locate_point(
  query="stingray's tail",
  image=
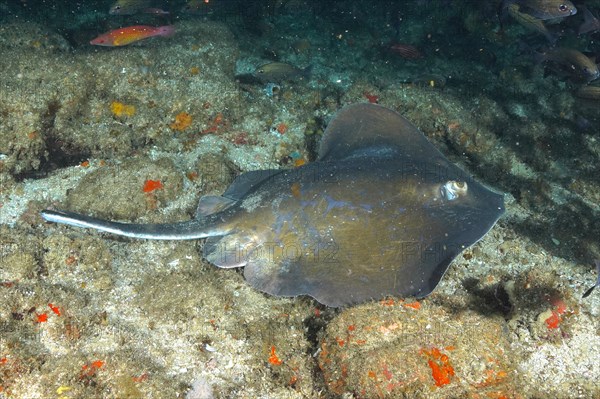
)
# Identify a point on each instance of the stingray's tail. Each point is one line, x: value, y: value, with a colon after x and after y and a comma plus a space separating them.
x: 189, y: 230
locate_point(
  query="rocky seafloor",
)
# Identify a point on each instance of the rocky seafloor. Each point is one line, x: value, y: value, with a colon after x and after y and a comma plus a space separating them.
x: 87, y: 315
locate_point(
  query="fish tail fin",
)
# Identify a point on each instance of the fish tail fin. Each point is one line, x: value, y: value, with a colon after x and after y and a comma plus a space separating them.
x: 192, y: 229
x: 167, y: 30
x: 590, y: 22
x: 551, y: 37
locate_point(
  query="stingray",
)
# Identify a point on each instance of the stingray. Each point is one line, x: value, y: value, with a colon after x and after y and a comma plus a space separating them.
x: 381, y: 212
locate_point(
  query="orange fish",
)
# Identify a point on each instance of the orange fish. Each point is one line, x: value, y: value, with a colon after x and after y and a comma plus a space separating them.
x: 130, y: 34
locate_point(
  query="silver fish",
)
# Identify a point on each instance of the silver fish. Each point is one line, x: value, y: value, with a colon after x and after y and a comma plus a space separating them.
x: 276, y: 72
x: 381, y: 212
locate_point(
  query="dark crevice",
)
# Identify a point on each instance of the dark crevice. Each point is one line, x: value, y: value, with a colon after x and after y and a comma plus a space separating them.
x: 60, y: 153
x: 316, y: 324
x: 314, y: 327
x: 488, y: 300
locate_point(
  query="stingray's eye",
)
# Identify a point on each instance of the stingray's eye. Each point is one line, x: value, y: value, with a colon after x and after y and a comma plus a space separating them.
x: 453, y: 189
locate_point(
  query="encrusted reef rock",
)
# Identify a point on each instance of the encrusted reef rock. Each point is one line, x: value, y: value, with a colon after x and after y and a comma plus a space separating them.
x: 416, y: 349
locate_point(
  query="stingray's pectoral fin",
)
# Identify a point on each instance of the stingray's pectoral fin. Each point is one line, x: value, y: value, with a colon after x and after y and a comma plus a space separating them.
x: 210, y: 204
x: 284, y: 278
x: 192, y: 229
x: 264, y: 274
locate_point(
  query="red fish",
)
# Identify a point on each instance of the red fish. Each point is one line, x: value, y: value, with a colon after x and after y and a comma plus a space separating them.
x: 130, y: 34
x: 405, y: 51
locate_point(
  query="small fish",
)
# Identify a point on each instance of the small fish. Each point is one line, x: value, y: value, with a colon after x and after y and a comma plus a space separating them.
x: 589, y: 291
x: 405, y: 51
x: 131, y: 34
x: 198, y: 7
x: 589, y: 92
x: 529, y: 22
x: 155, y: 11
x: 276, y: 72
x: 543, y: 9
x: 428, y: 80
x: 380, y: 212
x: 211, y: 7
x: 590, y: 22
x: 301, y: 46
x: 129, y: 7
x: 571, y: 63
